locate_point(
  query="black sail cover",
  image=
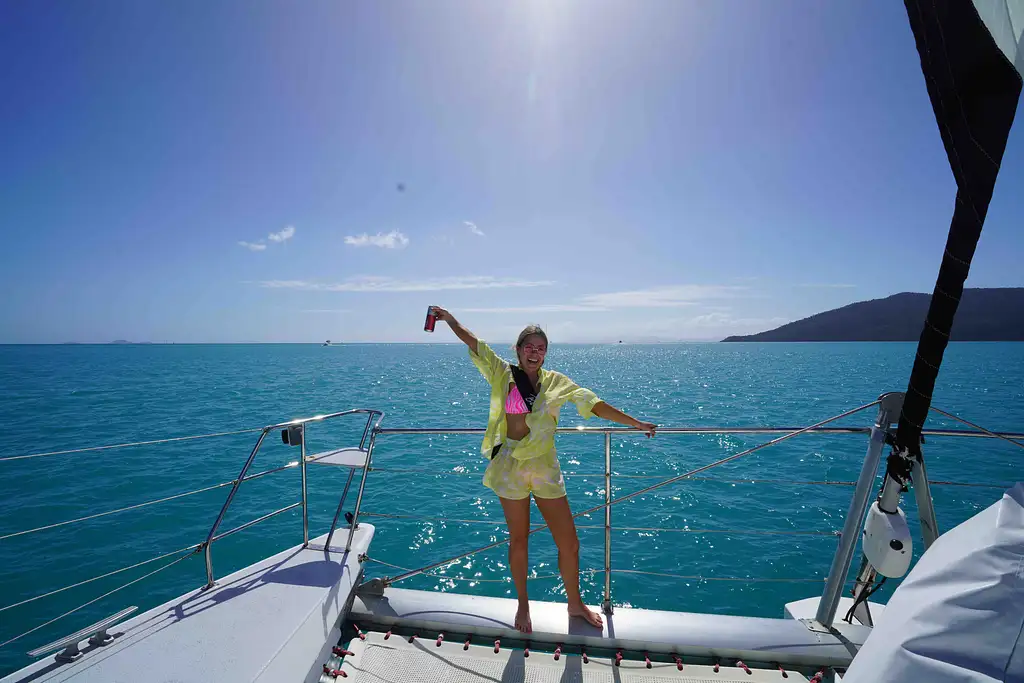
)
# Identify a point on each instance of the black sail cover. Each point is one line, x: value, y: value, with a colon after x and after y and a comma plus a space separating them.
x: 958, y: 616
x: 972, y: 59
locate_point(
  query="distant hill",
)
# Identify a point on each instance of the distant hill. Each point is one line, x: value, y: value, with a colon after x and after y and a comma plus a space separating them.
x: 983, y: 315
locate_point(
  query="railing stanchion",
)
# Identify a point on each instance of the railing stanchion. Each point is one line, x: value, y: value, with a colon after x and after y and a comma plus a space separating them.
x: 606, y: 605
x: 227, y: 503
x: 888, y: 412
x: 359, y: 496
x: 305, y: 506
x: 925, y: 504
x: 341, y: 504
x: 366, y: 429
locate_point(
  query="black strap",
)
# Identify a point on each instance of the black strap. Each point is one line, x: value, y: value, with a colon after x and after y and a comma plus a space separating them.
x: 524, y: 385
x: 526, y: 390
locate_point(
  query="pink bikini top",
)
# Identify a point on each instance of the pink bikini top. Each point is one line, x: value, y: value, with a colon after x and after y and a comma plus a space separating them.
x: 514, y: 404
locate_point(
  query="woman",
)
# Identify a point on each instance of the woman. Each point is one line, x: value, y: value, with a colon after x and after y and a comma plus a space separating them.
x: 520, y: 442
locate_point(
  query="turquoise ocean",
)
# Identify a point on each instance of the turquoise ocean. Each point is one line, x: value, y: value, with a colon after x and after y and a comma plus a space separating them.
x: 64, y: 397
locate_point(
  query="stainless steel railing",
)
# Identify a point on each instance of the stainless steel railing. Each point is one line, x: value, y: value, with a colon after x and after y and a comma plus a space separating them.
x: 213, y: 536
x: 1016, y: 438
x: 295, y: 426
x: 370, y: 433
x: 607, y: 604
x: 888, y: 412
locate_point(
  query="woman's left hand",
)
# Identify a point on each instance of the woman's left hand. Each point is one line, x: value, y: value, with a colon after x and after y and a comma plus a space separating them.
x: 648, y: 427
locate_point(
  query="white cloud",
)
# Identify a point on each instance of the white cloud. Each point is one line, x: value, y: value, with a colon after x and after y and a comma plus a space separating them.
x: 373, y: 283
x: 326, y: 310
x: 473, y: 228
x: 283, y: 236
x: 392, y: 240
x: 663, y: 326
x: 540, y: 308
x: 828, y: 286
x: 662, y: 297
x: 719, y: 319
x: 279, y: 237
x: 711, y: 319
x: 657, y: 297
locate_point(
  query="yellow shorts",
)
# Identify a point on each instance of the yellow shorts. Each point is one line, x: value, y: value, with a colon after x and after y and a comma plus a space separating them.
x: 517, y: 479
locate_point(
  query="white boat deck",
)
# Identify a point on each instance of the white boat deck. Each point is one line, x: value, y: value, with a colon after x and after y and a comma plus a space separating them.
x: 272, y: 621
x: 376, y: 660
x: 787, y: 641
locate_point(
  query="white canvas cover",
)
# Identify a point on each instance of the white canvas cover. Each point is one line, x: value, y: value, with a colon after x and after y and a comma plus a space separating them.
x: 959, y: 614
x: 1004, y: 19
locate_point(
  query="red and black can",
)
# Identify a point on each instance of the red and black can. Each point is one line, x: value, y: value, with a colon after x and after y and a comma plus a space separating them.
x: 428, y: 326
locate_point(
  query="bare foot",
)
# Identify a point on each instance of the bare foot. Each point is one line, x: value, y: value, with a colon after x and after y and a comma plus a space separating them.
x: 523, y: 622
x: 592, y: 617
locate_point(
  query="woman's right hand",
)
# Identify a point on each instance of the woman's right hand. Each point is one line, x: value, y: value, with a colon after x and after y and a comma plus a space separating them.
x: 461, y: 332
x: 442, y: 314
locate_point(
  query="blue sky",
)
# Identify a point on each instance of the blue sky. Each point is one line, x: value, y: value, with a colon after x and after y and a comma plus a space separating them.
x: 665, y: 169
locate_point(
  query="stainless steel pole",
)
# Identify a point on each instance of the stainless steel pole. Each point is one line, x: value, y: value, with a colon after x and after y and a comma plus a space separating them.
x: 305, y: 504
x: 925, y: 506
x: 359, y: 496
x: 888, y: 412
x: 341, y: 504
x: 227, y: 503
x: 607, y: 604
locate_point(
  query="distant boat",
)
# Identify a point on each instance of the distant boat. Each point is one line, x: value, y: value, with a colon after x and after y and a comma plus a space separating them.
x: 326, y: 343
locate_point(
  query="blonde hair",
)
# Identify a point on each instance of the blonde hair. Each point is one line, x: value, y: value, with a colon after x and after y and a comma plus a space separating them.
x: 529, y: 331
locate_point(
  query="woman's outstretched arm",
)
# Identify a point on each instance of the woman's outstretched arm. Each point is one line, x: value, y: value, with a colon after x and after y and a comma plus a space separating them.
x: 607, y: 412
x: 461, y: 332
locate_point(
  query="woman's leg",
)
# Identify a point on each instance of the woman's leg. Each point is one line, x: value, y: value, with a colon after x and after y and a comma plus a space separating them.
x: 559, y: 518
x: 517, y: 516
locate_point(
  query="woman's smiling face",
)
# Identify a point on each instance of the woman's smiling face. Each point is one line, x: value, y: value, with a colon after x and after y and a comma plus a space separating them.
x: 531, y: 352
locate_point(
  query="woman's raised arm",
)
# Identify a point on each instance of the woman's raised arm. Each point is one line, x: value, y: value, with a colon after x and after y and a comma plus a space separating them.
x: 461, y: 332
